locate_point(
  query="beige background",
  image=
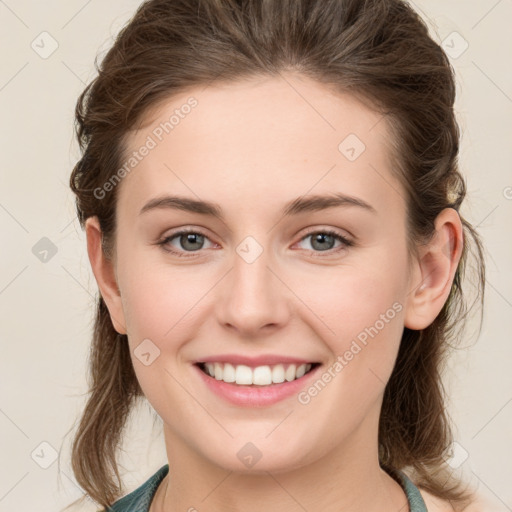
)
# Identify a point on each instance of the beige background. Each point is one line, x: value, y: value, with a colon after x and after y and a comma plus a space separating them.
x: 46, y: 307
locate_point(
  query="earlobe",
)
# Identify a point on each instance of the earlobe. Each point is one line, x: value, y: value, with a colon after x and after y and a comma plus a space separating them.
x: 104, y: 273
x: 434, y: 271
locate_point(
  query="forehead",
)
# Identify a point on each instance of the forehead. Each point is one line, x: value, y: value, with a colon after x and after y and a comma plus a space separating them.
x: 277, y: 138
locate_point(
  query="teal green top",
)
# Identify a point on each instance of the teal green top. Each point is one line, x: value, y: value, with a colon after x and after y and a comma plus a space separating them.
x: 140, y: 499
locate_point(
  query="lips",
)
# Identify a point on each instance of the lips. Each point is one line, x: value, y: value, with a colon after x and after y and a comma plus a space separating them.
x: 253, y: 362
x: 255, y: 395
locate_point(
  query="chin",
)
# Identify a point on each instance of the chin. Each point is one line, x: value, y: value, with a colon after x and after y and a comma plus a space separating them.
x: 254, y: 458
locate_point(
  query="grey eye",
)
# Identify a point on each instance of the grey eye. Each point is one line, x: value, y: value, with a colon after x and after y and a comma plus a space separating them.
x: 322, y: 241
x: 191, y: 241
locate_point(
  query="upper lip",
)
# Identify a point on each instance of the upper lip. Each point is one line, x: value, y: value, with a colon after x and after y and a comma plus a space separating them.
x: 262, y: 360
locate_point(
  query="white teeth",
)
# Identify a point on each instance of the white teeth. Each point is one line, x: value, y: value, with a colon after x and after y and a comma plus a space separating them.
x: 290, y: 373
x: 243, y: 374
x: 217, y: 371
x: 209, y: 368
x: 260, y: 376
x: 301, y: 370
x: 278, y: 374
x: 229, y: 374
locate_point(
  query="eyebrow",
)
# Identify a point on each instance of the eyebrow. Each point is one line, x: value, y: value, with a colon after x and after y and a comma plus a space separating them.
x: 300, y: 205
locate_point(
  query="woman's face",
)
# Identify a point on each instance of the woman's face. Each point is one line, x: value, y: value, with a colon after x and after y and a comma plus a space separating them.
x: 273, y: 274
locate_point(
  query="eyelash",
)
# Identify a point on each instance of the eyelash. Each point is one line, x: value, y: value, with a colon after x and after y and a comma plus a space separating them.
x: 182, y: 254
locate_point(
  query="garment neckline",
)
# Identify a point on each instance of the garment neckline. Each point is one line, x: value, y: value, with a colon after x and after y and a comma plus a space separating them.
x: 414, y: 497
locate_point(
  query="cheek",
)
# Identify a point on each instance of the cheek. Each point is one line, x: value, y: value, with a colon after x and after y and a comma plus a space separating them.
x: 368, y: 326
x: 347, y: 300
x: 164, y: 309
x: 161, y: 316
x: 158, y: 298
x: 359, y: 316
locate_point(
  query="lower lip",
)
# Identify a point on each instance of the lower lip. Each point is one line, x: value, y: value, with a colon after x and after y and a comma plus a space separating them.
x: 255, y: 396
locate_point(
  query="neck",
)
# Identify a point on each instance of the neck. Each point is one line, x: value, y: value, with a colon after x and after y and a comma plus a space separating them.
x: 348, y: 478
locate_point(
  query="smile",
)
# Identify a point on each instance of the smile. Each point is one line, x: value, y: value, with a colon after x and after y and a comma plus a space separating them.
x: 265, y: 375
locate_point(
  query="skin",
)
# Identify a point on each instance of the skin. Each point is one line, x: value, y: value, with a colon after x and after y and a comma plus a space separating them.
x: 251, y: 147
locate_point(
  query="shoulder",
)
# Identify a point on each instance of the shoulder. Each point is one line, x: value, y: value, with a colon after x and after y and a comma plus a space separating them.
x: 478, y: 504
x: 139, y: 500
x: 435, y: 504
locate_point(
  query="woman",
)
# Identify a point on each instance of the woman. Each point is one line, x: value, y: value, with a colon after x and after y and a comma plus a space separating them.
x: 271, y: 200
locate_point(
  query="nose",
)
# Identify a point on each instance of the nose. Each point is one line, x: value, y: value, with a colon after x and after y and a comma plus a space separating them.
x: 253, y: 299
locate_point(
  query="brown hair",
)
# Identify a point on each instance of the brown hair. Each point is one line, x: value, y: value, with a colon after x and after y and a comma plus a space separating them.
x: 378, y: 50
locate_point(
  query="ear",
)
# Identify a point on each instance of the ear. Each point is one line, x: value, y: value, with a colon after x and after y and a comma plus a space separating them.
x: 104, y: 272
x: 434, y: 270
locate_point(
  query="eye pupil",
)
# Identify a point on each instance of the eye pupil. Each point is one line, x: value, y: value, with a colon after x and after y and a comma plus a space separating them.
x: 321, y: 238
x: 191, y: 238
